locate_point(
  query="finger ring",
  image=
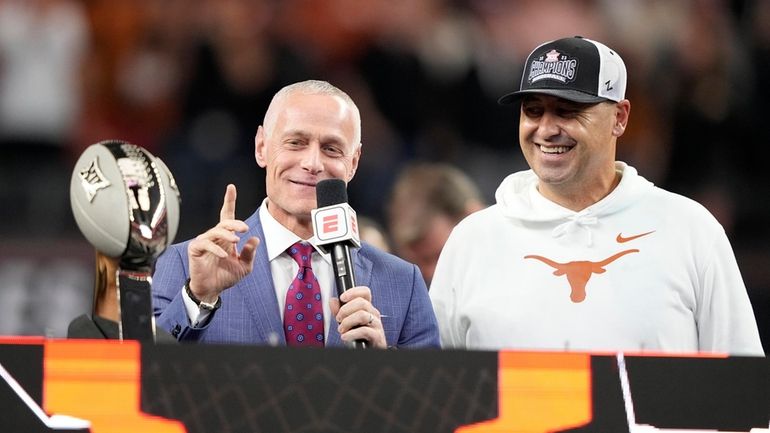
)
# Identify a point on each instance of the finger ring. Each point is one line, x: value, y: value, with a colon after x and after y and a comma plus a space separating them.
x: 371, y: 319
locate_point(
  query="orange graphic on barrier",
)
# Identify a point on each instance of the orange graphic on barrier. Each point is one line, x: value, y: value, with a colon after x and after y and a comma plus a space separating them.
x: 99, y: 381
x: 540, y: 392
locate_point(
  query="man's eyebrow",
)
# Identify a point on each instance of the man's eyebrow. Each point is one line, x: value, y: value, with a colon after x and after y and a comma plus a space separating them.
x: 332, y: 139
x: 295, y: 133
x: 325, y: 139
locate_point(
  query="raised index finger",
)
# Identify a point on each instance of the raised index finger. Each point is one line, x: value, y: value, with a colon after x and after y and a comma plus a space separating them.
x: 228, y: 207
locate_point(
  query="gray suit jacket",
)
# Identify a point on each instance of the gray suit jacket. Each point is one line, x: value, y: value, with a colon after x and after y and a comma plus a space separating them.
x: 249, y: 313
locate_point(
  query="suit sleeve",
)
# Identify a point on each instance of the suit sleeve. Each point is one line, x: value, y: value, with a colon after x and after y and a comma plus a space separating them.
x: 171, y: 273
x: 420, y: 329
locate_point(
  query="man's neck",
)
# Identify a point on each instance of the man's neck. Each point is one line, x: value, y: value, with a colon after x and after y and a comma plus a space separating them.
x: 302, y: 227
x: 577, y: 197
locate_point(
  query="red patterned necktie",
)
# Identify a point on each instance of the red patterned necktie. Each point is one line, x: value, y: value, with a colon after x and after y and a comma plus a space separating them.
x: 303, y: 319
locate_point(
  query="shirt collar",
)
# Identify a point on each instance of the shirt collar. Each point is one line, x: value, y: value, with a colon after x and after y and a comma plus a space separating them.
x: 278, y: 238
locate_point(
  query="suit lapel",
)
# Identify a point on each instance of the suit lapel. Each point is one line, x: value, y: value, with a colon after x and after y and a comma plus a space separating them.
x: 260, y: 291
x: 363, y: 277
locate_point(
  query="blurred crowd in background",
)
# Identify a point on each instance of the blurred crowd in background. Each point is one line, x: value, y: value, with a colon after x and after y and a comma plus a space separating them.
x: 190, y: 81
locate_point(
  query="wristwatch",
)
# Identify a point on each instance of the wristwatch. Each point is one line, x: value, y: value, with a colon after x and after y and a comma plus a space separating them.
x: 204, y: 305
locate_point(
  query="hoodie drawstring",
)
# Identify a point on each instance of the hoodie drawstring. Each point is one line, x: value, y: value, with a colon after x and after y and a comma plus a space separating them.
x: 576, y: 221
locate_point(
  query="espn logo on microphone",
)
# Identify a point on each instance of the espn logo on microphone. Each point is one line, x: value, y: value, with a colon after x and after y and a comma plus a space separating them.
x: 335, y: 223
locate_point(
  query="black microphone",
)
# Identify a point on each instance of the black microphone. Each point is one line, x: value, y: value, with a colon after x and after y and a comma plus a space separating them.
x: 336, y: 228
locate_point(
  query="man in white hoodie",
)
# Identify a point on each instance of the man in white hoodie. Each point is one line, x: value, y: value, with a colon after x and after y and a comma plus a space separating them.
x: 581, y: 252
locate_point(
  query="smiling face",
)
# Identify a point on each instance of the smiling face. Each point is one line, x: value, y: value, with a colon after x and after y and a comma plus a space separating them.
x: 306, y: 138
x: 571, y: 147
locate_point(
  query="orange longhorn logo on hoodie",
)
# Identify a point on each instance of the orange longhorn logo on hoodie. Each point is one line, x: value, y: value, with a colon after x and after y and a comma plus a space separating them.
x: 579, y: 272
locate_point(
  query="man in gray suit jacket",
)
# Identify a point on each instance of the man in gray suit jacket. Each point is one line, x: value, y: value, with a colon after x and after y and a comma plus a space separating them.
x: 238, y: 282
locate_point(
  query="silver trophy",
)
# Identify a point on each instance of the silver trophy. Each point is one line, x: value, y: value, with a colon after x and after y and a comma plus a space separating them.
x: 126, y: 203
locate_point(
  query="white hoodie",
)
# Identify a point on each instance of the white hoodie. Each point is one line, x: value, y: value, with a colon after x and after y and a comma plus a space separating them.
x: 642, y: 270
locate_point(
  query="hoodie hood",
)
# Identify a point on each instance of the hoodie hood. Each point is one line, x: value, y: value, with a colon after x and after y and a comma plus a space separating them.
x: 518, y: 198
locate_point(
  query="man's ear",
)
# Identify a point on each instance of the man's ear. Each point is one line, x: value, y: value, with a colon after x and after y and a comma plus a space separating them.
x: 622, y: 113
x: 259, y: 147
x: 354, y: 162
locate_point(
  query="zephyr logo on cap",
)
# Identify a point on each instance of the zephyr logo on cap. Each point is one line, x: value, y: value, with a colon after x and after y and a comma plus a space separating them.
x: 577, y: 69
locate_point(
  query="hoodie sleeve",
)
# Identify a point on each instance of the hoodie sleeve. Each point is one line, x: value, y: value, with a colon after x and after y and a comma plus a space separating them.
x: 726, y: 322
x: 444, y: 293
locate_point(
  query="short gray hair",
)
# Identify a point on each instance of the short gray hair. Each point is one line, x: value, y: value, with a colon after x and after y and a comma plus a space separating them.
x: 313, y: 87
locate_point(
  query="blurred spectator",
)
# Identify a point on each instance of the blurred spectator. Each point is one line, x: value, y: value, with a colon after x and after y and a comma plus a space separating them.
x: 234, y: 68
x: 382, y: 146
x: 373, y: 233
x: 42, y: 288
x: 42, y: 45
x: 427, y: 201
x: 422, y: 56
x: 708, y: 112
x: 133, y: 73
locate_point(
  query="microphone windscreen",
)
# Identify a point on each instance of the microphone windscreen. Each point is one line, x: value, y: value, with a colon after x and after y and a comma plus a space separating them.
x: 331, y: 191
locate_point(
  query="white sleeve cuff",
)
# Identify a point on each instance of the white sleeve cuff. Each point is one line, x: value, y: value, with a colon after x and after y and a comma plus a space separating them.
x: 196, y: 314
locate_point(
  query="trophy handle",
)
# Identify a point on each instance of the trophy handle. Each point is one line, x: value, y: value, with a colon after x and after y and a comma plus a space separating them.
x: 135, y: 302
